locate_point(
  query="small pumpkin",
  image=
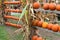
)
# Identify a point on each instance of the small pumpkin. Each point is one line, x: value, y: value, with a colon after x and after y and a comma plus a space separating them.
x: 55, y: 27
x: 50, y: 26
x: 58, y: 7
x: 39, y: 38
x: 36, y: 5
x: 52, y: 6
x: 46, y: 6
x: 45, y: 24
x: 10, y: 17
x: 35, y: 22
x: 34, y: 37
x: 40, y: 23
x: 15, y: 2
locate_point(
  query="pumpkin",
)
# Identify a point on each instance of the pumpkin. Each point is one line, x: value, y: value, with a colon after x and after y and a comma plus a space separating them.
x: 52, y: 6
x: 45, y: 24
x: 7, y: 23
x: 34, y: 37
x: 55, y: 28
x: 13, y: 10
x: 14, y: 25
x: 35, y: 22
x: 40, y: 23
x: 50, y: 26
x: 11, y: 2
x: 11, y: 17
x: 58, y: 7
x: 36, y: 5
x: 46, y: 6
x: 59, y: 28
x: 39, y: 38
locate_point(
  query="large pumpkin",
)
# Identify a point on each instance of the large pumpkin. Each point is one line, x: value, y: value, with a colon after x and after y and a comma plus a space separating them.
x: 46, y: 6
x: 39, y: 38
x: 52, y: 6
x: 55, y: 28
x: 58, y: 7
x: 36, y: 5
x: 45, y: 24
x: 40, y: 23
x: 34, y: 37
x: 50, y: 26
x: 34, y: 23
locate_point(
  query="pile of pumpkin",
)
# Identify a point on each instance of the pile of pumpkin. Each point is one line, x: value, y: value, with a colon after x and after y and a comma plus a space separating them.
x: 46, y: 6
x: 46, y: 25
x: 35, y: 37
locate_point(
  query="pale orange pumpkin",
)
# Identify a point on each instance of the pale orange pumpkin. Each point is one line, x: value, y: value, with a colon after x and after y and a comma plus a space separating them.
x: 58, y: 7
x: 36, y: 5
x: 50, y: 26
x: 45, y: 24
x: 46, y: 6
x: 55, y: 28
x: 52, y: 6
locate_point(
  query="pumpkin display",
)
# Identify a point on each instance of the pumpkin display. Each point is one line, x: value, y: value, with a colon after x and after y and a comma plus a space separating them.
x: 46, y: 6
x: 55, y: 27
x: 39, y: 38
x: 58, y: 7
x: 52, y: 6
x: 14, y: 25
x: 35, y: 22
x: 12, y: 2
x: 34, y: 37
x: 11, y: 17
x: 40, y: 23
x: 13, y: 10
x: 45, y: 24
x: 36, y: 5
x: 50, y: 26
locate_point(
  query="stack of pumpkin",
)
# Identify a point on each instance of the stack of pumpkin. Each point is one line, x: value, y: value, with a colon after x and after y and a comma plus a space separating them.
x: 46, y: 6
x: 35, y: 37
x: 53, y: 27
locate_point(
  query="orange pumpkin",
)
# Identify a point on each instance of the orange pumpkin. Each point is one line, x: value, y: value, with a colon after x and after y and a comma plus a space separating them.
x: 39, y: 38
x: 52, y: 6
x: 40, y: 23
x: 11, y: 17
x: 36, y: 5
x: 59, y: 28
x: 46, y: 6
x: 58, y: 7
x: 34, y: 37
x: 13, y: 10
x: 16, y: 2
x: 50, y: 26
x: 14, y: 25
x: 55, y: 27
x: 35, y: 22
x: 45, y: 24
